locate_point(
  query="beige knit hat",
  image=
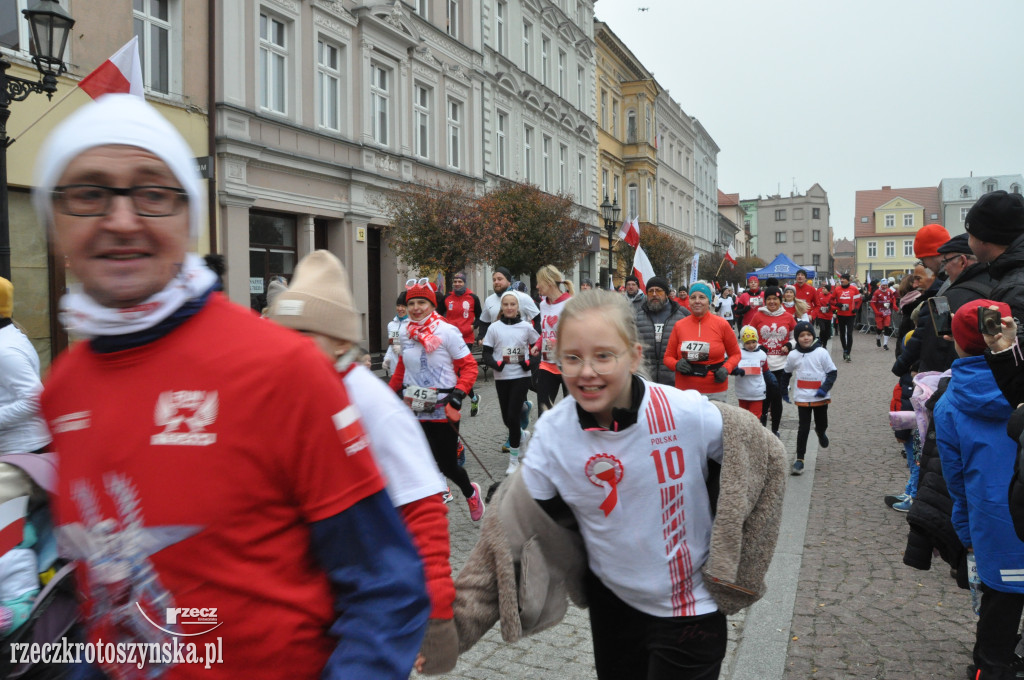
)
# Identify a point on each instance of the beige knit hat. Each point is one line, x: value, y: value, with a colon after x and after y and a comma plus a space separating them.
x: 319, y: 300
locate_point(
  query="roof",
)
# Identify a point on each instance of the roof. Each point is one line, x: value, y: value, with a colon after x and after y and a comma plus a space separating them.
x: 871, y: 199
x: 727, y: 199
x: 950, y: 186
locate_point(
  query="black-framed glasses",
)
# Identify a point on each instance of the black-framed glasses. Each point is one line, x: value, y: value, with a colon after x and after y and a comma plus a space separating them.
x: 946, y: 260
x: 603, y: 363
x: 93, y: 200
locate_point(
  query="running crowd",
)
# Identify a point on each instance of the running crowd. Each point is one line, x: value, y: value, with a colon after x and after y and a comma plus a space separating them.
x: 258, y: 467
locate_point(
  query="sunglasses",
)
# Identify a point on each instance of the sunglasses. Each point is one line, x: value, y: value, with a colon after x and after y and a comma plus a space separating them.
x: 411, y: 283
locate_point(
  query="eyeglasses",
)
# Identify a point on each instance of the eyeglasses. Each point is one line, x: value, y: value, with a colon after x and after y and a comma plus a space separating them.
x: 93, y: 200
x: 945, y: 260
x: 602, y: 363
x: 417, y: 282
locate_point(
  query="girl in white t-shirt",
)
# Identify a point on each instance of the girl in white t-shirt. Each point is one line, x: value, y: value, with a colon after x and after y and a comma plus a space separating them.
x: 555, y: 291
x: 628, y: 460
x: 506, y: 349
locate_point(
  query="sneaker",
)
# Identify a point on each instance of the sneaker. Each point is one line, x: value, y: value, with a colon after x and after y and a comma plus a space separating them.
x: 776, y: 433
x: 476, y: 503
x: 886, y: 347
x: 513, y: 463
x: 447, y: 496
x: 823, y: 440
x: 898, y: 498
x: 474, y: 405
x: 878, y: 342
x: 524, y: 436
x: 846, y: 357
x: 506, y: 447
x: 460, y: 454
x: 524, y: 415
x: 903, y: 506
x: 798, y: 467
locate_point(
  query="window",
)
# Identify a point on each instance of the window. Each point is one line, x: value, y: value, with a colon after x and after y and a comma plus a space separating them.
x: 421, y: 8
x: 454, y: 133
x: 563, y: 167
x: 153, y: 26
x: 872, y: 249
x: 581, y: 171
x: 965, y: 191
x: 908, y: 219
x: 1014, y: 188
x: 527, y: 35
x: 604, y: 110
x: 545, y: 161
x: 615, y: 117
x: 632, y: 198
x: 890, y: 220
x: 864, y: 220
x: 780, y: 237
x: 501, y: 143
x: 273, y: 59
x: 380, y: 100
x: 990, y: 186
x: 815, y: 213
x: 631, y: 127
x: 798, y: 236
x: 650, y: 201
x: 908, y: 248
x: 798, y: 213
x: 328, y: 85
x: 890, y: 248
x: 499, y: 26
x: 580, y: 79
x: 780, y: 216
x: 545, y: 58
x: 648, y: 128
x: 453, y: 18
x: 815, y: 261
x: 815, y: 234
x: 562, y: 65
x: 272, y: 251
x: 528, y: 153
x: 421, y: 121
x: 615, y: 189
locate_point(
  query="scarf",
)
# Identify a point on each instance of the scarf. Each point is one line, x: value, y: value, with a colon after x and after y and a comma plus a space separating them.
x: 347, y: 361
x: 423, y: 331
x: 83, y: 316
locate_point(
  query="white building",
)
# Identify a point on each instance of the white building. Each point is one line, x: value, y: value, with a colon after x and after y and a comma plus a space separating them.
x: 676, y: 143
x: 958, y: 194
x: 705, y: 195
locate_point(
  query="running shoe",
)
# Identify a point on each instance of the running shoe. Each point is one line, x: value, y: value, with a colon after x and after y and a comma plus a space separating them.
x: 903, y: 506
x: 447, y: 496
x: 474, y: 405
x: 524, y: 415
x: 798, y: 467
x: 476, y: 503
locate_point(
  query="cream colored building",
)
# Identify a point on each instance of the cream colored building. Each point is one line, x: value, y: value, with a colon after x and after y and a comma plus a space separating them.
x: 887, y: 220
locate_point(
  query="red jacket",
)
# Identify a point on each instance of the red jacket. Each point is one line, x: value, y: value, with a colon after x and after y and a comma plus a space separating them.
x: 879, y: 300
x: 709, y: 337
x: 462, y: 311
x: 823, y: 305
x: 809, y: 294
x: 846, y: 301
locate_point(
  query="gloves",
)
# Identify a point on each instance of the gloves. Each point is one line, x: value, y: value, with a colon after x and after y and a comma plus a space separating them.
x: 440, y: 649
x: 821, y: 393
x: 737, y: 371
x: 684, y: 367
x: 721, y: 374
x: 455, y: 399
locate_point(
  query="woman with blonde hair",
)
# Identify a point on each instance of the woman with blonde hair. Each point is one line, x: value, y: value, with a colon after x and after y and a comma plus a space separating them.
x: 555, y: 291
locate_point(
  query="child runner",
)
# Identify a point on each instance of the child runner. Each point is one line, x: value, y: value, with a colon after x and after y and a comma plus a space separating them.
x: 815, y: 375
x: 752, y: 373
x: 882, y: 303
x: 789, y: 299
x: 433, y: 376
x: 823, y: 314
x: 394, y: 326
x: 507, y: 350
x: 549, y: 284
x: 775, y: 330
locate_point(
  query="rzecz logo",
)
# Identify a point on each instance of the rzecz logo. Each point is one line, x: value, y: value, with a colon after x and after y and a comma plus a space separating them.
x: 196, y: 620
x: 184, y: 415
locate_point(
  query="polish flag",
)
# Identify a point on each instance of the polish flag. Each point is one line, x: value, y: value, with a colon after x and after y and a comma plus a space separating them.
x: 12, y: 522
x: 642, y: 268
x: 121, y: 74
x: 730, y: 255
x: 630, y: 232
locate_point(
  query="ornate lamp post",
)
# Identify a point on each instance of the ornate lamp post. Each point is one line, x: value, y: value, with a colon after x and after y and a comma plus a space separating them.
x: 50, y: 25
x: 610, y: 213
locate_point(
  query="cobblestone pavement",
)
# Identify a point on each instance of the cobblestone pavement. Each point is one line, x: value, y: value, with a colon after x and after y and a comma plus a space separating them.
x: 858, y: 612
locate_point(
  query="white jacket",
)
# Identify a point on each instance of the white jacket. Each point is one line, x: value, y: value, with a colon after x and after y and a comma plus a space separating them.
x: 22, y: 428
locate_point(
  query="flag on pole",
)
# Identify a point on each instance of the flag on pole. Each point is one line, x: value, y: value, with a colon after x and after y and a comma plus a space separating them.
x: 630, y: 232
x: 12, y: 522
x: 693, y: 268
x: 642, y: 268
x: 121, y: 74
x: 730, y: 256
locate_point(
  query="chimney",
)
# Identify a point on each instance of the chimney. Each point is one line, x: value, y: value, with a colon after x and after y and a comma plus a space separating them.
x: 886, y: 188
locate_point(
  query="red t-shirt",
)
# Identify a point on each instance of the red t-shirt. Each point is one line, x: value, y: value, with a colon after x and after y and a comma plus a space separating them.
x: 190, y: 471
x: 823, y: 305
x: 752, y: 299
x: 809, y: 294
x: 846, y: 301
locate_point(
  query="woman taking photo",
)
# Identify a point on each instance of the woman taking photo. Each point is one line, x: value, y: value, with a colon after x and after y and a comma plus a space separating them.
x: 702, y: 349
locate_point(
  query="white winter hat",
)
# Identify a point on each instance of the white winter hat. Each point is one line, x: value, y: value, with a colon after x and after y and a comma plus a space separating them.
x: 319, y: 300
x: 115, y: 119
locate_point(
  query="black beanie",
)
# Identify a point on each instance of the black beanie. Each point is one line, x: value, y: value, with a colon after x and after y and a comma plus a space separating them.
x: 633, y: 279
x: 997, y: 217
x: 803, y: 327
x: 770, y: 291
x: 401, y: 299
x: 504, y: 272
x: 659, y: 282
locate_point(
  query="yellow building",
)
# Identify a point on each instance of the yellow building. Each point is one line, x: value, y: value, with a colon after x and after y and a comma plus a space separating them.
x: 887, y: 220
x: 175, y: 72
x: 626, y: 127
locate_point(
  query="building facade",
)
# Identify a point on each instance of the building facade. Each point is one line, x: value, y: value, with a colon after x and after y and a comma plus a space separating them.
x: 675, y: 189
x: 797, y: 225
x: 729, y: 207
x: 958, y: 194
x: 750, y: 224
x: 705, y: 194
x: 887, y: 220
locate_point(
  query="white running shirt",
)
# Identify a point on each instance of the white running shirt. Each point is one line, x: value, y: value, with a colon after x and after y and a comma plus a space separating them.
x: 516, y: 339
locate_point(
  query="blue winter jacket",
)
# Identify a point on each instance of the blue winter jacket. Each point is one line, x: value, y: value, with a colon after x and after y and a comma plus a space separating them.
x: 977, y: 462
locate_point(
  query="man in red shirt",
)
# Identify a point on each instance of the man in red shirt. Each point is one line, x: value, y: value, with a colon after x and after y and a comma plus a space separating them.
x: 882, y: 304
x: 805, y: 291
x: 751, y: 300
x: 823, y: 314
x: 462, y: 309
x: 846, y: 301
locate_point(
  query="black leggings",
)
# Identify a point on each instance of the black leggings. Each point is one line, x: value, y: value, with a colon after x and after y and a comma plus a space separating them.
x: 997, y: 628
x: 547, y: 389
x: 632, y: 645
x: 511, y: 397
x: 772, y: 403
x: 824, y: 331
x: 804, y: 429
x: 844, y: 324
x: 444, y: 442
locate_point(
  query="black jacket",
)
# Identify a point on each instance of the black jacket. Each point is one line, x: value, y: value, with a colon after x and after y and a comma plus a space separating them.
x: 1007, y: 271
x: 654, y: 349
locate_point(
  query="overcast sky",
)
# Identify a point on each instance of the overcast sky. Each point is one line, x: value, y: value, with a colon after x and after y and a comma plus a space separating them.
x: 852, y: 95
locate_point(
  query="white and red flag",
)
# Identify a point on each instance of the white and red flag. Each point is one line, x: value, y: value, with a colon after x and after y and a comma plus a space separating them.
x: 630, y: 232
x: 730, y: 255
x: 642, y: 268
x: 12, y: 522
x: 121, y: 74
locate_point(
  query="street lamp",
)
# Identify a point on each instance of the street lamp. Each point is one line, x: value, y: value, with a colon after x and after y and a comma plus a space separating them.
x: 610, y: 213
x: 50, y: 25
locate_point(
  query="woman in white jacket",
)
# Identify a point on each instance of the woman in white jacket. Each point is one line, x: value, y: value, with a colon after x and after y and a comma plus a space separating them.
x: 22, y: 429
